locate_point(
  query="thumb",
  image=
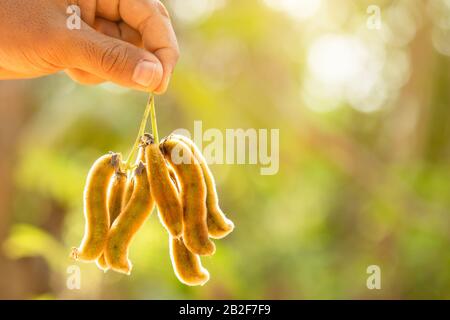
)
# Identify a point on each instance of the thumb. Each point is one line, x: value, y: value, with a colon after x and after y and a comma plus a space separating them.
x: 113, y: 60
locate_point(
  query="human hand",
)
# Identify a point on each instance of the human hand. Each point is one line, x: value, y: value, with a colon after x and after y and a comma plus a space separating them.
x: 129, y: 42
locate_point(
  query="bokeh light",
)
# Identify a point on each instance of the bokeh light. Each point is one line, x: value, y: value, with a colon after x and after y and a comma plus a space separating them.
x: 300, y: 9
x: 190, y: 11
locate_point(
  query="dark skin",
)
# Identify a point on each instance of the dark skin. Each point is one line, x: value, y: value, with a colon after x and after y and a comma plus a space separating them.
x: 129, y: 42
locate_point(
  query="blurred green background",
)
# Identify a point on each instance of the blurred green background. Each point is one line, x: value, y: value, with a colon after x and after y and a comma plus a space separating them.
x: 364, y: 171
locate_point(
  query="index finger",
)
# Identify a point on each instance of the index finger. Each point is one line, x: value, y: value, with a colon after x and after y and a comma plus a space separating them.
x: 152, y: 20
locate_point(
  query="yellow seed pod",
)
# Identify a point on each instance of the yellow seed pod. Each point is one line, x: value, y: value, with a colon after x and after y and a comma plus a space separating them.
x: 128, y: 223
x: 187, y: 266
x: 170, y: 210
x: 193, y: 195
x: 116, y: 195
x: 130, y: 181
x: 173, y: 177
x: 129, y: 188
x: 120, y: 193
x: 115, y: 203
x: 129, y: 185
x: 101, y: 263
x: 96, y: 208
x: 219, y: 225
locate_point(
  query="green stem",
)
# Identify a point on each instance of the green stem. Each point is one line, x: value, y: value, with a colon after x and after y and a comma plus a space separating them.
x: 154, y: 122
x: 141, y: 131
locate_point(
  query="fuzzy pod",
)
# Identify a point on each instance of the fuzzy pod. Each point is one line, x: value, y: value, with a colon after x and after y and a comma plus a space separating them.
x: 164, y: 191
x: 102, y: 264
x: 187, y: 265
x: 129, y: 188
x: 193, y: 195
x: 116, y: 195
x: 173, y: 177
x: 219, y: 225
x: 128, y: 223
x: 96, y: 208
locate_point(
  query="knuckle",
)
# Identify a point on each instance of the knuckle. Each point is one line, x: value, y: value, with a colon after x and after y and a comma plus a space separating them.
x: 154, y: 9
x: 88, y: 48
x: 114, y: 59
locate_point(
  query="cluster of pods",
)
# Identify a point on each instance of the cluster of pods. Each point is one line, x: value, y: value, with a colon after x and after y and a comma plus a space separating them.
x: 173, y: 176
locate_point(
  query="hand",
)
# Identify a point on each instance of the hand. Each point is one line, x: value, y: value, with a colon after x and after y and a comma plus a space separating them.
x: 129, y: 42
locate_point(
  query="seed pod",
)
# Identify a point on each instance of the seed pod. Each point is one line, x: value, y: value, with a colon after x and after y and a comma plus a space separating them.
x: 95, y: 208
x: 101, y: 263
x: 173, y: 177
x: 128, y: 192
x: 187, y: 266
x: 219, y: 225
x: 193, y: 195
x: 116, y: 195
x: 120, y: 194
x: 163, y: 190
x: 115, y: 203
x: 128, y: 223
x: 130, y: 181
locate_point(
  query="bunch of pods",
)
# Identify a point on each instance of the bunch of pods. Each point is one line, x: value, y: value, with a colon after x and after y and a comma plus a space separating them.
x: 173, y: 176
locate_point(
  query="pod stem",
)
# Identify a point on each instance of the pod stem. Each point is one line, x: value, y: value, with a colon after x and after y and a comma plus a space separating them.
x: 153, y: 118
x: 148, y: 110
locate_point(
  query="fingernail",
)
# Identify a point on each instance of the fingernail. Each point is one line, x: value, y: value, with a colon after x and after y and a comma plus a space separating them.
x: 144, y: 73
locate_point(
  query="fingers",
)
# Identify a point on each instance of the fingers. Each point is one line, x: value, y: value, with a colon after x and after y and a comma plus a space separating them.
x: 118, y: 30
x: 107, y: 27
x: 87, y: 10
x: 83, y: 77
x: 152, y: 20
x: 7, y: 74
x: 141, y: 23
x: 113, y: 60
x: 108, y: 9
x: 130, y: 35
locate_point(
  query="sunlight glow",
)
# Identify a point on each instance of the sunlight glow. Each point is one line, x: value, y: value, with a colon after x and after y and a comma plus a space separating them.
x: 194, y: 10
x: 343, y: 69
x: 335, y: 59
x: 301, y: 9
